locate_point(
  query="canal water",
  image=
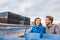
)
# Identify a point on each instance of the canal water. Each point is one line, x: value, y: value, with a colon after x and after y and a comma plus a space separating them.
x: 13, y: 30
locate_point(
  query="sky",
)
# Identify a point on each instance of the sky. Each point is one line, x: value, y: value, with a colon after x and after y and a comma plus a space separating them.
x: 32, y: 8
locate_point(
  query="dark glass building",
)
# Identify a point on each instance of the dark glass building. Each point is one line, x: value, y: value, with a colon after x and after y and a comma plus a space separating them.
x: 12, y: 18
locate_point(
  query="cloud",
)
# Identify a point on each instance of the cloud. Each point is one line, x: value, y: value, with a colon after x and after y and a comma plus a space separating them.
x: 32, y: 8
x: 3, y: 1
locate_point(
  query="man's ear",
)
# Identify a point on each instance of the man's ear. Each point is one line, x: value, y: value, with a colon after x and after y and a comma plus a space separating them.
x: 50, y: 21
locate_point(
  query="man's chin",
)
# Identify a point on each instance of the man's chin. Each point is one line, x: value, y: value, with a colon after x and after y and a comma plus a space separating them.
x: 47, y: 24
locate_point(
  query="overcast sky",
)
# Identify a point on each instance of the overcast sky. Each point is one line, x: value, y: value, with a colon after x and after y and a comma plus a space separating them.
x: 32, y: 8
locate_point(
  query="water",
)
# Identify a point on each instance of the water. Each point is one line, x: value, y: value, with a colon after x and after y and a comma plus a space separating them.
x: 12, y: 30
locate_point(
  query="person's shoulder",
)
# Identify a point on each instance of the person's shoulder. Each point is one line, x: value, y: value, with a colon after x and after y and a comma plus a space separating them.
x: 42, y: 26
x: 33, y: 26
x: 55, y: 25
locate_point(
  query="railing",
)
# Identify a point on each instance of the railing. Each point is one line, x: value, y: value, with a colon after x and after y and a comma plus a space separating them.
x: 13, y: 28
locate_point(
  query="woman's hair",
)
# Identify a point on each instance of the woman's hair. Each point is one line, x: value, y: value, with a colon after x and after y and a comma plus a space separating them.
x: 36, y: 19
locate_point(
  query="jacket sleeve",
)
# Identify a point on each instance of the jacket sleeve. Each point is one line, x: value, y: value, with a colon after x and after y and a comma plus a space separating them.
x: 42, y: 32
x: 57, y: 29
x: 31, y: 31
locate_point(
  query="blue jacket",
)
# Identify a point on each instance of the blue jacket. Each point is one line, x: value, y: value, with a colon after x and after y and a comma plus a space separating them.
x: 39, y: 29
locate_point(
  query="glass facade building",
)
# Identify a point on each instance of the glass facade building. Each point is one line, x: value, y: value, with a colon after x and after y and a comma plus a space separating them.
x: 12, y: 18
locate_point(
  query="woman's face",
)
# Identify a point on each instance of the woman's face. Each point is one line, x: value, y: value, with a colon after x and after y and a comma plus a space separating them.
x: 38, y: 21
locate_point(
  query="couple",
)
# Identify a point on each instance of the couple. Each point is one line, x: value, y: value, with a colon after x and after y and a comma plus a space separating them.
x: 49, y: 29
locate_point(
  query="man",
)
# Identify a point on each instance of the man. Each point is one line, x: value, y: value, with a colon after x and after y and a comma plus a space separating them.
x: 50, y: 27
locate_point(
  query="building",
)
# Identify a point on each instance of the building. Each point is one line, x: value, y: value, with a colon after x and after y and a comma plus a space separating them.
x: 12, y: 18
x: 11, y: 23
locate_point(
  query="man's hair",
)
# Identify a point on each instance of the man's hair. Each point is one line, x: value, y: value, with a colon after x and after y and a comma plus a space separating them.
x: 50, y: 18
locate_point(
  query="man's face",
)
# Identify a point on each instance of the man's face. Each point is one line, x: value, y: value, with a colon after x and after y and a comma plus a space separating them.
x: 47, y: 21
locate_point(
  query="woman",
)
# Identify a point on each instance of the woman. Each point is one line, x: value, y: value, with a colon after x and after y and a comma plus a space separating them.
x: 38, y: 27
